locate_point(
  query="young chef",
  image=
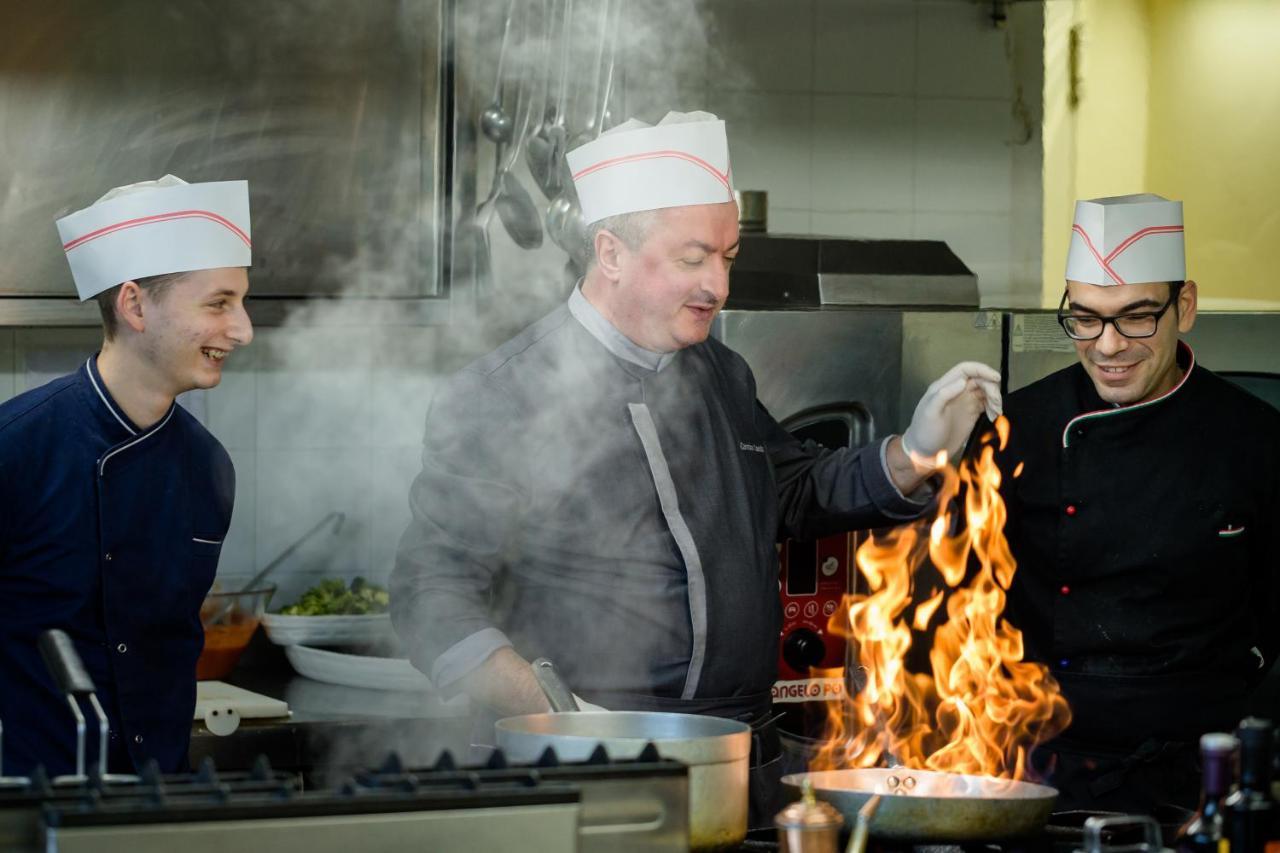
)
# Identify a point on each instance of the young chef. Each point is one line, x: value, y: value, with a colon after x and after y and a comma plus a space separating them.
x: 113, y: 499
x: 1145, y: 574
x: 609, y: 476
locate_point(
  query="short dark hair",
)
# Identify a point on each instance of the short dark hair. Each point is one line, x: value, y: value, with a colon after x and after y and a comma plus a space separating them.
x: 1175, y: 288
x: 156, y: 285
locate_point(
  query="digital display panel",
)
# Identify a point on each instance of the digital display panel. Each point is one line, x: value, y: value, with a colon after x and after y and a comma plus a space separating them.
x: 802, y: 568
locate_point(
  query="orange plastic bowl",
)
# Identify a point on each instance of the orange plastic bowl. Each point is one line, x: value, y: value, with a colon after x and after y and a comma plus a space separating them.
x: 230, y: 614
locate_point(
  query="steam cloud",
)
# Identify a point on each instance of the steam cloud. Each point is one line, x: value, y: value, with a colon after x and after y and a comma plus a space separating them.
x: 664, y: 47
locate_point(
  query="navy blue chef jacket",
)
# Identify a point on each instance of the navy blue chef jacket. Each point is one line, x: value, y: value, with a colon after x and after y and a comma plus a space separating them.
x: 111, y: 533
x: 1147, y: 571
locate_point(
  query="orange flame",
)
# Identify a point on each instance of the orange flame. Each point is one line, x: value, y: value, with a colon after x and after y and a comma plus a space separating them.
x: 982, y: 709
x: 926, y: 610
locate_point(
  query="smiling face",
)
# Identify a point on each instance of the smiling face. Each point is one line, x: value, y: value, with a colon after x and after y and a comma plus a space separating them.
x: 665, y: 293
x: 1124, y: 370
x: 193, y: 325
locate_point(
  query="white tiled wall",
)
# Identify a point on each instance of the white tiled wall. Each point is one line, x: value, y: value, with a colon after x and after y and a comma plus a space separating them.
x: 878, y: 118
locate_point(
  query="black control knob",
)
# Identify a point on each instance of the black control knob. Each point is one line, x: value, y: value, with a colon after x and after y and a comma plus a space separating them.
x: 803, y: 649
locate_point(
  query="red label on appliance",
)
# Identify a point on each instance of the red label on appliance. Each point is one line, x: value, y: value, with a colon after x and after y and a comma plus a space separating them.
x: 815, y: 578
x: 808, y: 690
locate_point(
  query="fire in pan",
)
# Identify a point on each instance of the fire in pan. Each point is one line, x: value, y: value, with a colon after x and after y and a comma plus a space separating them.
x: 925, y: 805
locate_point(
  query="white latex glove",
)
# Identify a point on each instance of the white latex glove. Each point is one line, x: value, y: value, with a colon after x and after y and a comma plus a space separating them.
x: 950, y: 407
x: 584, y: 705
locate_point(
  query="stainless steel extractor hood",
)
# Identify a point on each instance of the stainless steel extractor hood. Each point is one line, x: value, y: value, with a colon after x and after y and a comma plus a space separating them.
x: 784, y: 271
x: 338, y: 114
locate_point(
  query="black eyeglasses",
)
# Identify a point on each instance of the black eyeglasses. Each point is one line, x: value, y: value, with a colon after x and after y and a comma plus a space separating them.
x: 1139, y: 324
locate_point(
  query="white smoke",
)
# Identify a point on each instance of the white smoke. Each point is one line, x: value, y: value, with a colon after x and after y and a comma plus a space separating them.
x: 662, y: 54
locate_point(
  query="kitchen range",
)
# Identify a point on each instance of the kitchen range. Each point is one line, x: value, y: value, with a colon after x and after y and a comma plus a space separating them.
x: 599, y: 805
x: 548, y: 807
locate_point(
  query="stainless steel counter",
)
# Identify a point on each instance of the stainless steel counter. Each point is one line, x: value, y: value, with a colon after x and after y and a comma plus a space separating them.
x: 332, y: 728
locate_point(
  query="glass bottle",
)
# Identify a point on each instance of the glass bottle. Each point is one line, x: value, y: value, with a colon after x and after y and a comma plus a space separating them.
x: 1251, y: 812
x: 1206, y: 831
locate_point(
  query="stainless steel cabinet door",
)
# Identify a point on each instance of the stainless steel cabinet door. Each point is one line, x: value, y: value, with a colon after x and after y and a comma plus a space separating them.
x: 330, y: 109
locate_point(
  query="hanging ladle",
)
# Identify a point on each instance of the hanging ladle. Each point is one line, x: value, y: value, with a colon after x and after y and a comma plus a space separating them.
x: 473, y: 253
x: 516, y: 209
x: 495, y: 123
x: 591, y: 129
x: 546, y: 145
x: 508, y: 197
x: 564, y: 217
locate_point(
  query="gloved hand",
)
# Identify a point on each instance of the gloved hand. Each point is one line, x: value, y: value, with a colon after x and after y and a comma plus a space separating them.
x: 584, y: 705
x: 950, y: 407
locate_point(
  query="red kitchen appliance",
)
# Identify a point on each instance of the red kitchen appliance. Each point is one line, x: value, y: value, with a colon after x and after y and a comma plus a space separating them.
x: 815, y: 576
x: 814, y: 580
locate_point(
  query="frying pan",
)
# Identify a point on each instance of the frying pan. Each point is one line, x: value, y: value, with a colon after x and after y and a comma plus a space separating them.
x: 933, y: 806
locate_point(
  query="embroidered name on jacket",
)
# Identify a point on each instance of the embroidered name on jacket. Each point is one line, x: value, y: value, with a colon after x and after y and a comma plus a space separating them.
x: 754, y: 448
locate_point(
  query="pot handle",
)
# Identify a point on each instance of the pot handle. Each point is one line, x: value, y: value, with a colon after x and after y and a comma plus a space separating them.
x: 549, y: 680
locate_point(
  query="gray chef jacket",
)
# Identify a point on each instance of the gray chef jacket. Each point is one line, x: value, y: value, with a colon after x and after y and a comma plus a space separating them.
x: 616, y: 510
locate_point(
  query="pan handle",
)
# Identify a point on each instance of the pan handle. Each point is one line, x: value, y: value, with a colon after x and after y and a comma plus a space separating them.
x: 862, y: 826
x: 549, y: 680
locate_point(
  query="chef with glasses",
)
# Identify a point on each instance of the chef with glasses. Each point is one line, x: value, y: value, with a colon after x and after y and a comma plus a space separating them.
x: 1141, y: 520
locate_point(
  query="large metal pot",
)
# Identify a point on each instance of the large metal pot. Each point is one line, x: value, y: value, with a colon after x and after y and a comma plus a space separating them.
x: 927, y: 805
x: 716, y: 750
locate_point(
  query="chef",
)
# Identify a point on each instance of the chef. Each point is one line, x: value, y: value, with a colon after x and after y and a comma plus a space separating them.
x: 1142, y: 520
x: 605, y: 490
x: 114, y: 501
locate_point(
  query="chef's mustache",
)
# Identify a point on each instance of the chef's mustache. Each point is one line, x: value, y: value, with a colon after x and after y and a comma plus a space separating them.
x: 706, y: 297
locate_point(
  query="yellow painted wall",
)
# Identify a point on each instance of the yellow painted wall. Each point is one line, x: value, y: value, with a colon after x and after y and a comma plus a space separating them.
x: 1214, y: 141
x: 1059, y: 135
x: 1100, y: 146
x: 1111, y: 129
x: 1180, y: 98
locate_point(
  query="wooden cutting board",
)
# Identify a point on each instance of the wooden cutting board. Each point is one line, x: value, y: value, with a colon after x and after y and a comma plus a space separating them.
x: 222, y: 706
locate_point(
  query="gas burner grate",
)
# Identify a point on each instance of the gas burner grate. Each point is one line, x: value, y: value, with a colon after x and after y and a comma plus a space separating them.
x: 153, y: 788
x: 210, y: 793
x: 497, y: 772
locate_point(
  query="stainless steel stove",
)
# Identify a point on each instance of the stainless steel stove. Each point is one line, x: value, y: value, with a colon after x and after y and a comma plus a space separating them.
x: 549, y: 807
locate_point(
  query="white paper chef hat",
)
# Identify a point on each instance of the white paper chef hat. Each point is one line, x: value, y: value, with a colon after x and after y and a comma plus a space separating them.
x: 682, y: 160
x: 157, y: 227
x: 1127, y: 239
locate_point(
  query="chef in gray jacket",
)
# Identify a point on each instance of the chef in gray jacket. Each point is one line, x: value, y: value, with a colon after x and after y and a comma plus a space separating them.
x: 605, y: 490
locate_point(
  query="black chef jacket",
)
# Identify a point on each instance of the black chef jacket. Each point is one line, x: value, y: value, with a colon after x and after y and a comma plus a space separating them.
x: 1146, y: 565
x: 627, y: 505
x: 111, y: 533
